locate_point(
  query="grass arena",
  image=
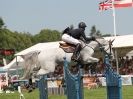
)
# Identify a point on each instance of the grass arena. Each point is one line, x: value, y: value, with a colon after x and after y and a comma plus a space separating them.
x: 98, y: 93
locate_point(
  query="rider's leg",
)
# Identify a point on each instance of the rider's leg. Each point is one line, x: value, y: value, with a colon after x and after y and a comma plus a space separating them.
x: 76, y: 52
x: 71, y: 40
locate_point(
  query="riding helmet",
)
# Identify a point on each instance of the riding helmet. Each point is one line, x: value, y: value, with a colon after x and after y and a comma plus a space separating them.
x: 82, y: 25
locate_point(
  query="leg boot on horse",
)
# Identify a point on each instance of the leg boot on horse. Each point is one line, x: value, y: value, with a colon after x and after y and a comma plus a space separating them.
x: 76, y: 54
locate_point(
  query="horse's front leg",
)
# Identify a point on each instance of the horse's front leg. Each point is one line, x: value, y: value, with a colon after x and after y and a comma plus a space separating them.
x: 90, y: 59
x: 47, y: 67
x: 94, y: 59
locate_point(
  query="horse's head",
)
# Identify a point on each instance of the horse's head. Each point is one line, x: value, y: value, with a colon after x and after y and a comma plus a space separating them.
x: 105, y: 46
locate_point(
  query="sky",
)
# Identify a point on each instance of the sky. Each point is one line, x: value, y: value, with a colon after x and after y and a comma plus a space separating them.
x: 34, y: 15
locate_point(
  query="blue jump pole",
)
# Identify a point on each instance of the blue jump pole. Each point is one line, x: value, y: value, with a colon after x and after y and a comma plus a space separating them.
x: 113, y: 81
x: 42, y: 84
x: 73, y: 82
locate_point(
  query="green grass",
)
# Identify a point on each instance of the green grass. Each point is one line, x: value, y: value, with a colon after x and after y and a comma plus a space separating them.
x: 99, y: 93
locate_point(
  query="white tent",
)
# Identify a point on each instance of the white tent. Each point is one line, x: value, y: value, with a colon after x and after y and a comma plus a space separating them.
x: 123, y: 44
x: 130, y: 54
x: 38, y: 47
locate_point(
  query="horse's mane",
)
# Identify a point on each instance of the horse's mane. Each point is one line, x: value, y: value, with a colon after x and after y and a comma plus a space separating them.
x: 94, y: 42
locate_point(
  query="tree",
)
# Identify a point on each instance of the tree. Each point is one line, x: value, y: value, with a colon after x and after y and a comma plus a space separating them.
x: 106, y: 35
x: 1, y: 23
x: 95, y: 32
x: 47, y: 35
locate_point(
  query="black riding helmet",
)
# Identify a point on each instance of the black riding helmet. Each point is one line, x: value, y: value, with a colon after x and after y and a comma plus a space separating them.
x: 82, y: 25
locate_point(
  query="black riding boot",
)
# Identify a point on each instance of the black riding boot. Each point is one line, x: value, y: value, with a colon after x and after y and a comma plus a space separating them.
x: 76, y: 52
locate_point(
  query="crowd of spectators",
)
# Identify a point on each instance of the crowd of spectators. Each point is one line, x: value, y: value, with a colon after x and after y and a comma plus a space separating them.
x: 125, y: 67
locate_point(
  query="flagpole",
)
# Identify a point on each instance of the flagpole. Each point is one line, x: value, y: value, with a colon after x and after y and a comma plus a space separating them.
x: 114, y: 19
x: 114, y: 24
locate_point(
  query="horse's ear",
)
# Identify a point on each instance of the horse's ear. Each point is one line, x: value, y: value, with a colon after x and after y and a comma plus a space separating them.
x: 111, y: 41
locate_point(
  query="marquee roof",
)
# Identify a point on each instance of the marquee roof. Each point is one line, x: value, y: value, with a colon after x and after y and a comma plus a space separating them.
x: 121, y: 41
x: 122, y: 44
x: 38, y: 47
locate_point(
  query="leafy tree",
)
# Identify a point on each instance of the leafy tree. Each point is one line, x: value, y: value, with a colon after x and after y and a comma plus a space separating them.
x: 106, y: 35
x: 23, y: 41
x: 1, y: 23
x: 14, y: 40
x: 47, y: 35
x: 95, y: 32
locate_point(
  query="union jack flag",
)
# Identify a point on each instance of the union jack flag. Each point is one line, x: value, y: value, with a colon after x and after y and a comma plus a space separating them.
x: 105, y: 5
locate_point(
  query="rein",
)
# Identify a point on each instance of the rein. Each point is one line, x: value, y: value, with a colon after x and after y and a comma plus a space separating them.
x: 87, y: 46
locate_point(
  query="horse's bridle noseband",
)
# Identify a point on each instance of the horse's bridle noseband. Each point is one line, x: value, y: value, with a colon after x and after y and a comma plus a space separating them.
x: 110, y: 46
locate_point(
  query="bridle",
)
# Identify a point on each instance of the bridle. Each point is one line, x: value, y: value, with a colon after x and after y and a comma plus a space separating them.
x: 100, y: 46
x: 86, y: 45
x: 105, y: 50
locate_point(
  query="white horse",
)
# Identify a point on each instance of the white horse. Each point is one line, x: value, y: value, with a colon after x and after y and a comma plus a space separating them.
x: 49, y: 58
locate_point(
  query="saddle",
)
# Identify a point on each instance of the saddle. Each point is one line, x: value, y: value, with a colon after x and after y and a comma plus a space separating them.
x: 67, y: 47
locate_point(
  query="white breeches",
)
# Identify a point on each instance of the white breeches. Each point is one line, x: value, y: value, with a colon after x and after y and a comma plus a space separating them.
x: 69, y: 39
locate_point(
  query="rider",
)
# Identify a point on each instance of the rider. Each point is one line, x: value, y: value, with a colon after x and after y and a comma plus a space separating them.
x: 72, y: 36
